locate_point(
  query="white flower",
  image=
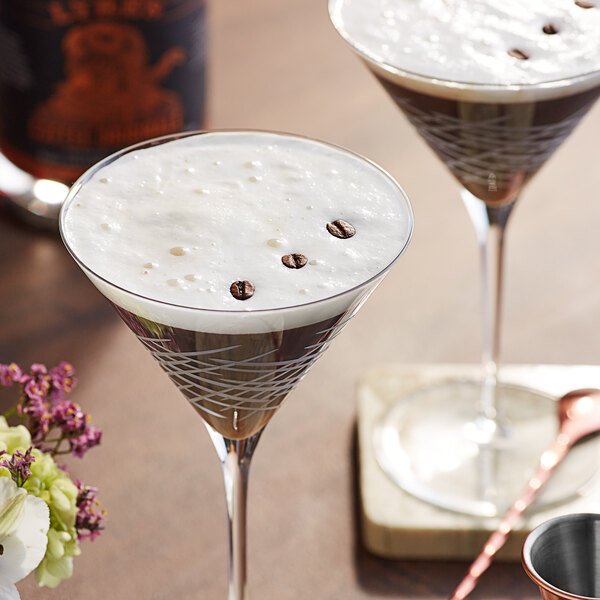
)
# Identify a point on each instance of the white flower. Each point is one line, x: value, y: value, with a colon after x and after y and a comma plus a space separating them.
x: 24, y: 523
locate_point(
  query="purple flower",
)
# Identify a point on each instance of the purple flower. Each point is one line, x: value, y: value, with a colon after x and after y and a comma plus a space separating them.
x: 50, y: 419
x: 33, y: 406
x: 81, y: 444
x: 37, y: 369
x: 75, y: 426
x: 88, y: 522
x: 18, y: 465
x: 34, y: 411
x: 69, y: 417
x: 10, y: 374
x: 62, y: 380
x: 36, y: 384
x: 36, y: 390
x: 94, y: 436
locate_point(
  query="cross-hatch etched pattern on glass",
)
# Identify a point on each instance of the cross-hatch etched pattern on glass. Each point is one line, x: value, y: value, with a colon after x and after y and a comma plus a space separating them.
x: 212, y: 379
x: 470, y: 149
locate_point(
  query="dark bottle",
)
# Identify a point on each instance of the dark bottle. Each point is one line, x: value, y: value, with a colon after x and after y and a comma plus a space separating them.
x: 80, y: 79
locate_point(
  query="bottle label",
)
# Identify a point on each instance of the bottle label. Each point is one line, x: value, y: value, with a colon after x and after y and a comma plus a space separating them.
x: 80, y: 79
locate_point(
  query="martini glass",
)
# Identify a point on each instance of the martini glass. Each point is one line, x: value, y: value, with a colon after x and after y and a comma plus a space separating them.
x: 236, y: 366
x: 470, y: 445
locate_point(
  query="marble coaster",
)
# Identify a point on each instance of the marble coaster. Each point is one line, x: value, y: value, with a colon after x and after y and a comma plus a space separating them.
x: 398, y: 525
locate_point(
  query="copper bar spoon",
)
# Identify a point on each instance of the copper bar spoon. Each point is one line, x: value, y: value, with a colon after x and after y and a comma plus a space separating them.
x: 578, y: 416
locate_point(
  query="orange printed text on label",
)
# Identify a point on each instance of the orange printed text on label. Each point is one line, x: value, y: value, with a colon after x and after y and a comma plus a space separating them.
x: 67, y: 12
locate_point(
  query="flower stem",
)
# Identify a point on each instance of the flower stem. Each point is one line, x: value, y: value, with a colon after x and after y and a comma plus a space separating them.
x: 12, y: 411
x: 55, y: 450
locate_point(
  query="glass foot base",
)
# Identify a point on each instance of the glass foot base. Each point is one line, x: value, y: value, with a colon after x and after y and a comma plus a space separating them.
x: 431, y: 444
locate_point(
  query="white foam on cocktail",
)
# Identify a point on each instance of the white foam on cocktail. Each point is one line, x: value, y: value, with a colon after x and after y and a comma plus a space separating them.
x: 177, y: 223
x: 467, y: 41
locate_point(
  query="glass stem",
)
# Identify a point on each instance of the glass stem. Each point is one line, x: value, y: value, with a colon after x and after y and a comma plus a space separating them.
x: 235, y: 456
x: 490, y: 226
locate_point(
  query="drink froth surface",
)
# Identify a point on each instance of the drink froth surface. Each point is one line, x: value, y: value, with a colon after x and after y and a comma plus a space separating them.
x: 484, y: 42
x: 181, y: 222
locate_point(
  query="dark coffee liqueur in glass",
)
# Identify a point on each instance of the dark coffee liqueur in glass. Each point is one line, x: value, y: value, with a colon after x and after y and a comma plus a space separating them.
x: 494, y: 88
x: 236, y: 258
x: 236, y: 382
x: 493, y: 149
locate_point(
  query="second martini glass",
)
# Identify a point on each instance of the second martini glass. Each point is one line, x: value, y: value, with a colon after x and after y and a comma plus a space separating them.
x: 223, y: 194
x: 467, y: 445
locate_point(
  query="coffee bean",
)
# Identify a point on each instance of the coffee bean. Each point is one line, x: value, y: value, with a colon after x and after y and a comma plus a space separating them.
x: 517, y: 53
x: 341, y: 229
x: 583, y: 4
x: 549, y: 29
x: 242, y: 290
x: 294, y: 261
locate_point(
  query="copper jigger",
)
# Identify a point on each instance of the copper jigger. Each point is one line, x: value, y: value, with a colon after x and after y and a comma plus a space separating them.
x: 562, y: 556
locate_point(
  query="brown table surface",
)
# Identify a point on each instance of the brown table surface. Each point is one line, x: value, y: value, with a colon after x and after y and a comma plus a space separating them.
x: 280, y: 65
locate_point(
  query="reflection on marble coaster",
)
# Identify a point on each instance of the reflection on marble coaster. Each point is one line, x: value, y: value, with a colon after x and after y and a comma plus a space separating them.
x: 398, y: 525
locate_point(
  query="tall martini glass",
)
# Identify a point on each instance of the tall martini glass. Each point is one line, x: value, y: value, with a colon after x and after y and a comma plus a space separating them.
x: 471, y: 445
x: 236, y: 360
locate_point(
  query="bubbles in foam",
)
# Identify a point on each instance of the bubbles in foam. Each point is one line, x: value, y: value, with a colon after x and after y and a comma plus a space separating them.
x: 177, y: 251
